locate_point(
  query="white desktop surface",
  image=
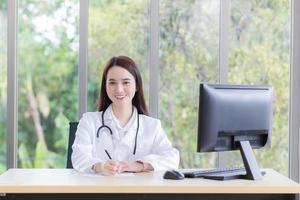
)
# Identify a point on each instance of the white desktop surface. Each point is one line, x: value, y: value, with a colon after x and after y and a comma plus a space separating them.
x: 71, y: 181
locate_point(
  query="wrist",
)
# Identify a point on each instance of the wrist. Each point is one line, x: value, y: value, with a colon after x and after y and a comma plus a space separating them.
x: 97, y: 167
x: 142, y: 164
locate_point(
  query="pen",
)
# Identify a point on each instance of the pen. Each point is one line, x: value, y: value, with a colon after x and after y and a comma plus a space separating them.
x: 107, y: 154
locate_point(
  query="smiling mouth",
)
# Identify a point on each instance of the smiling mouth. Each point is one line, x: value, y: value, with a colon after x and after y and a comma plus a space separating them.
x: 119, y: 97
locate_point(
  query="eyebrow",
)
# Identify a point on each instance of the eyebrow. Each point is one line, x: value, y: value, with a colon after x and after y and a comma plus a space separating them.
x: 123, y: 79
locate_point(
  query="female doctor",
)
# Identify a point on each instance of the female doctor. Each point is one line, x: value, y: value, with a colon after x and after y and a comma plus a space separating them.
x: 121, y: 137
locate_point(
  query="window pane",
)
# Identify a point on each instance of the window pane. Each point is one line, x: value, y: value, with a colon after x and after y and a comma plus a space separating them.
x: 116, y: 28
x: 189, y: 51
x: 259, y: 54
x: 47, y: 80
x: 3, y: 80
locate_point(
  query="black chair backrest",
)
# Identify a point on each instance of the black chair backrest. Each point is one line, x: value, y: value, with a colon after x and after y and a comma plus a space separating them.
x: 72, y: 131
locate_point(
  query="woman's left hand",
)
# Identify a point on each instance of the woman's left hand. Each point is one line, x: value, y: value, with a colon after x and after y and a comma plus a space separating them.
x: 130, y: 166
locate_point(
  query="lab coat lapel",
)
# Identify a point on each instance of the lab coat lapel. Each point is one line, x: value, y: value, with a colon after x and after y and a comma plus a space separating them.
x: 106, y: 139
x: 129, y: 138
x: 108, y: 118
x: 115, y: 139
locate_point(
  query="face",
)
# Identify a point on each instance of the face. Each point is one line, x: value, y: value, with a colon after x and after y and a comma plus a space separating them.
x: 120, y: 86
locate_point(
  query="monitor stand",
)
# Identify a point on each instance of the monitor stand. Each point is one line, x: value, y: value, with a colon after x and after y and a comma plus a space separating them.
x: 251, y: 167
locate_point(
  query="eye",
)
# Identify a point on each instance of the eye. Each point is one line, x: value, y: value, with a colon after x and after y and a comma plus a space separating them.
x: 111, y: 82
x: 126, y: 82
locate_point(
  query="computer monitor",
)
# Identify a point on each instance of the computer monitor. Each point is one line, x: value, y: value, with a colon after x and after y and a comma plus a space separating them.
x: 235, y: 117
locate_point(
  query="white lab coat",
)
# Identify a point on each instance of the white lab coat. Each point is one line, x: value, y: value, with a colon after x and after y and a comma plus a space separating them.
x: 153, y: 145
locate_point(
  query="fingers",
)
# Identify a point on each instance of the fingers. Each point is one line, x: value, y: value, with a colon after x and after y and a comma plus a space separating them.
x: 112, y: 165
x: 124, y: 166
x: 110, y: 168
x: 130, y: 166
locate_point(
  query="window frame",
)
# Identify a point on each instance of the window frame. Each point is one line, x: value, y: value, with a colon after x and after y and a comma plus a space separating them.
x: 294, y: 110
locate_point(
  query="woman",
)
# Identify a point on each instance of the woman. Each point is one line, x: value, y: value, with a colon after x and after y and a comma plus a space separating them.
x: 121, y: 137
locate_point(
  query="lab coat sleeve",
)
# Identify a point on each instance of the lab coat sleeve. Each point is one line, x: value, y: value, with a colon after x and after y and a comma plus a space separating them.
x: 82, y: 156
x: 163, y: 155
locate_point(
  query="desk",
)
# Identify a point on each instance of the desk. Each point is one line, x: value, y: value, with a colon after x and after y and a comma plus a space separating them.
x: 69, y: 184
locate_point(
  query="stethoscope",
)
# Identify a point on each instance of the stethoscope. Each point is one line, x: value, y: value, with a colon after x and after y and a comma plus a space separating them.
x: 103, y: 126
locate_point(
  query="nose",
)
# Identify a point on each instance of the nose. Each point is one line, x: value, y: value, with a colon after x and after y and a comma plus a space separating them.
x: 119, y: 87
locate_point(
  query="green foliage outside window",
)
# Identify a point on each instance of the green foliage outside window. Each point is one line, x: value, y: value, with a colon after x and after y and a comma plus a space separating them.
x: 260, y: 54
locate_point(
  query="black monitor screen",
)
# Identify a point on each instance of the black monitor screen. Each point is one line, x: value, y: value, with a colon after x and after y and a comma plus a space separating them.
x: 231, y: 113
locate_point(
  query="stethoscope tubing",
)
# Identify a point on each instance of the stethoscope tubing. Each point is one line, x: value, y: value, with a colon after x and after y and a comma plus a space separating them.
x: 103, y: 126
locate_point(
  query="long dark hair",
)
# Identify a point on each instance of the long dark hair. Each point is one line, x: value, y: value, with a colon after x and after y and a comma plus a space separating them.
x: 127, y: 63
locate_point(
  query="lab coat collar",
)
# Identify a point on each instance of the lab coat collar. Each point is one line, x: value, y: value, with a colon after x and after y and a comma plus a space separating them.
x: 111, y: 121
x: 108, y: 114
x: 130, y: 124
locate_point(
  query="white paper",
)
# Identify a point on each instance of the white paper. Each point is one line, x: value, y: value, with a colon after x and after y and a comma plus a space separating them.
x: 116, y: 175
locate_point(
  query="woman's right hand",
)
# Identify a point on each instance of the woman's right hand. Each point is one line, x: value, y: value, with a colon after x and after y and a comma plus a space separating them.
x: 108, y: 168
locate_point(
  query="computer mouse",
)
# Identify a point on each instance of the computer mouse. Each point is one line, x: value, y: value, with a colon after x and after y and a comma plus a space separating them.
x: 173, y: 174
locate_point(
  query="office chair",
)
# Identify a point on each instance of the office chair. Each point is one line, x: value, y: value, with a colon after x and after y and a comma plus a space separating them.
x: 72, y: 131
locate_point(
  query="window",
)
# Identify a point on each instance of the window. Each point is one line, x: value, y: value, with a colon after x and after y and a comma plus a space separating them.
x: 3, y: 85
x: 116, y: 28
x: 189, y: 53
x: 189, y: 34
x: 260, y: 54
x: 48, y: 80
